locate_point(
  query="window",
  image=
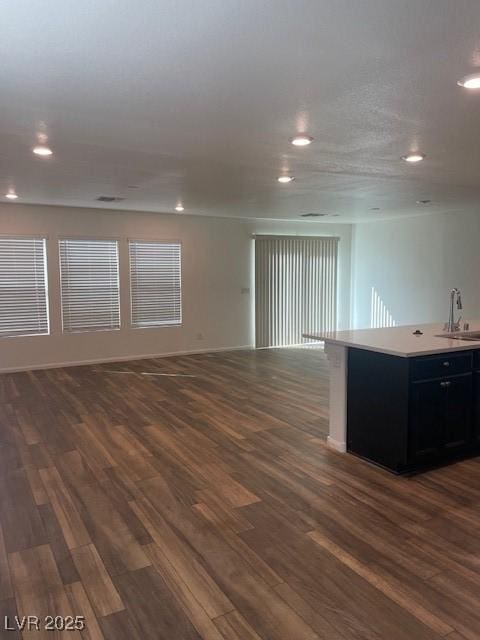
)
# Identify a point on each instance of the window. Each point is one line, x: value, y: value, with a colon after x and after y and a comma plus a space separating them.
x: 155, y: 283
x: 89, y: 285
x: 23, y: 287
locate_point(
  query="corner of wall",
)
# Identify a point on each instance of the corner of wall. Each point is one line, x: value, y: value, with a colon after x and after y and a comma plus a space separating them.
x: 352, y: 288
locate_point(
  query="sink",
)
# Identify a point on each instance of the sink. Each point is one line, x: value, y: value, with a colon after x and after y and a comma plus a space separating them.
x: 460, y: 335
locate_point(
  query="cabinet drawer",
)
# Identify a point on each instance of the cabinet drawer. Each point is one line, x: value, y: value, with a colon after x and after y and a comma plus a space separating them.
x: 446, y: 364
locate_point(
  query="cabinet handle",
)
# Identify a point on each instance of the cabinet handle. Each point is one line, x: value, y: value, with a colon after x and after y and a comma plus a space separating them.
x: 445, y: 383
x: 446, y: 363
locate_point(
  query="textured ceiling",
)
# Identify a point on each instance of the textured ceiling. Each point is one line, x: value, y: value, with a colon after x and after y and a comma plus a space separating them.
x: 197, y: 100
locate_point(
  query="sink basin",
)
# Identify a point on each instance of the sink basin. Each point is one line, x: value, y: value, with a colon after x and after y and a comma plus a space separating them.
x: 461, y: 335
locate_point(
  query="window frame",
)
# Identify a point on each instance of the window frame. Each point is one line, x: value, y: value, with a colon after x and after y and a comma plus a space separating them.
x: 44, y: 240
x: 171, y: 325
x: 117, y: 241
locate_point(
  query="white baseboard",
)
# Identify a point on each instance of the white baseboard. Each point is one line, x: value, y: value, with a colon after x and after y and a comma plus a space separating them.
x: 337, y: 445
x: 80, y: 363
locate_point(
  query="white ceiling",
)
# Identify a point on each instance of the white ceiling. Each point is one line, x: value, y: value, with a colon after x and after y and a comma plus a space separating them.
x: 197, y: 100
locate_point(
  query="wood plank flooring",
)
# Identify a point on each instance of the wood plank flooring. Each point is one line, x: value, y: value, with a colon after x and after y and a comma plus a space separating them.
x: 194, y: 497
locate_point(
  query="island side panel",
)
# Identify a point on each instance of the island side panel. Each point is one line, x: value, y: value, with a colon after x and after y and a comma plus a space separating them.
x: 377, y: 408
x: 337, y: 358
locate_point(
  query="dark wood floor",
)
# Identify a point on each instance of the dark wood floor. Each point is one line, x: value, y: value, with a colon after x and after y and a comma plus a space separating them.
x: 205, y: 504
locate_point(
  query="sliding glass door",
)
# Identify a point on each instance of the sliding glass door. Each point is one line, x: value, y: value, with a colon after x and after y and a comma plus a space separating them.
x: 295, y: 288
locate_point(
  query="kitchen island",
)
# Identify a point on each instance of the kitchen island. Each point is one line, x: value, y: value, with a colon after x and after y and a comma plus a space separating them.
x: 403, y: 397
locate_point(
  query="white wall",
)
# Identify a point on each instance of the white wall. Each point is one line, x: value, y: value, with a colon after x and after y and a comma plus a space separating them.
x: 217, y: 265
x: 413, y: 264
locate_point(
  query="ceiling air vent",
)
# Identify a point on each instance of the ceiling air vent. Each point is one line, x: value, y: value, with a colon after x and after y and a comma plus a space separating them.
x: 314, y: 215
x: 109, y: 199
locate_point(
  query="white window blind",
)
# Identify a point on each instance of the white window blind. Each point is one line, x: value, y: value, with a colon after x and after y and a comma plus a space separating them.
x: 23, y: 287
x: 155, y: 283
x: 295, y: 288
x: 89, y: 285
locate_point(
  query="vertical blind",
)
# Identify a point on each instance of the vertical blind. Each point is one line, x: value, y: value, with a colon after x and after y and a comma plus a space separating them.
x: 295, y: 288
x: 23, y: 287
x: 155, y: 283
x: 89, y: 285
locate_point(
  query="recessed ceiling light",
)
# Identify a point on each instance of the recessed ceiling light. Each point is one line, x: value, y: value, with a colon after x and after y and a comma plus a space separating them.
x: 42, y: 150
x: 301, y: 140
x: 470, y: 82
x: 11, y: 195
x: 179, y: 207
x: 413, y: 157
x: 285, y: 179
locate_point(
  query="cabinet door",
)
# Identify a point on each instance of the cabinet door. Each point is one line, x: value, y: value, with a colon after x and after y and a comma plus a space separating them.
x: 476, y: 392
x: 458, y: 415
x: 427, y: 425
x: 441, y: 413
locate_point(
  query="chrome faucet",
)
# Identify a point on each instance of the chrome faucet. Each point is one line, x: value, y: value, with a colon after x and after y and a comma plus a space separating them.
x: 451, y: 326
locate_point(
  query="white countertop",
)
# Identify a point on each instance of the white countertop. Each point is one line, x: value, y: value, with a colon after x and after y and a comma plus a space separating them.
x: 399, y: 341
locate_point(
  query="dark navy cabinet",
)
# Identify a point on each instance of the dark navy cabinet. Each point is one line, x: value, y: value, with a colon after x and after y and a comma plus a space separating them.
x: 476, y: 414
x: 406, y: 414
